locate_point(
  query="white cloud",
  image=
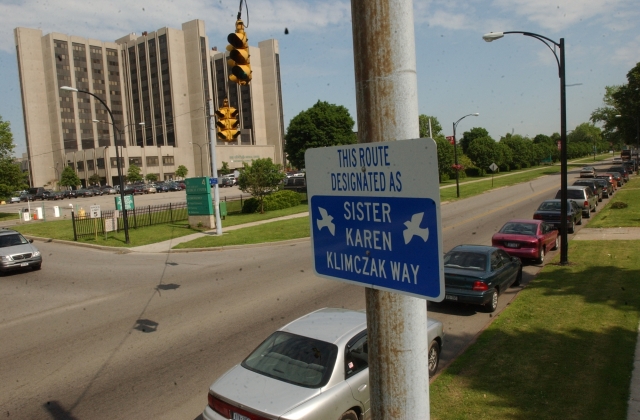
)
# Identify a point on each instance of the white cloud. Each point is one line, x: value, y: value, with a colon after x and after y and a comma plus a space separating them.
x: 628, y: 54
x: 110, y: 20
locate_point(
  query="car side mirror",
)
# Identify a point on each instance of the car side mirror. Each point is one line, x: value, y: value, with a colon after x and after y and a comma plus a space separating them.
x: 30, y: 241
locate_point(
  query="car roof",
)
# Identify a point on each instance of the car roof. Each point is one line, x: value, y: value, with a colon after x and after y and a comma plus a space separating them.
x: 328, y: 324
x: 5, y: 231
x: 577, y: 187
x: 531, y: 221
x: 481, y: 249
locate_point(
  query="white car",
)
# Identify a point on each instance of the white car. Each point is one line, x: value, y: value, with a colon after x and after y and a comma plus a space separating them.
x: 313, y: 368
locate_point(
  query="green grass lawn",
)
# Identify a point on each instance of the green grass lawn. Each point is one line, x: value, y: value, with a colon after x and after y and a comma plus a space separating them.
x: 563, y: 349
x: 629, y: 216
x: 270, y: 232
x: 9, y: 216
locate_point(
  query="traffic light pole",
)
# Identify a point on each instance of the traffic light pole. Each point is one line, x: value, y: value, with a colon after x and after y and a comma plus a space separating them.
x: 214, y: 168
x: 387, y: 107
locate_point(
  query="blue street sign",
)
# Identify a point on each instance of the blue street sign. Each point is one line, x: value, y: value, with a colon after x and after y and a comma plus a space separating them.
x: 375, y: 216
x: 386, y: 243
x: 213, y: 181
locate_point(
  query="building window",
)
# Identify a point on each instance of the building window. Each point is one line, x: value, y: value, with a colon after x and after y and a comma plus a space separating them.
x: 135, y: 161
x: 114, y: 162
x: 167, y: 160
x: 152, y: 160
x: 100, y: 163
x: 90, y: 165
x: 80, y: 166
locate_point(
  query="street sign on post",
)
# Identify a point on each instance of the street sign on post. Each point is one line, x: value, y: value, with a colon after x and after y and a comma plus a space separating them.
x: 375, y: 216
x: 128, y: 202
x: 94, y: 211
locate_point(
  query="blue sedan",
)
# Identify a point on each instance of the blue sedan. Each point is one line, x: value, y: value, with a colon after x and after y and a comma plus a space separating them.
x: 478, y: 274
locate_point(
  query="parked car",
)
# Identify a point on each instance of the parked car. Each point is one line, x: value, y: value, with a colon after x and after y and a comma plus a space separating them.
x: 173, y: 186
x: 15, y: 198
x: 108, y: 190
x: 606, y: 185
x: 583, y: 197
x: 613, y: 184
x: 161, y: 187
x: 550, y: 211
x: 618, y: 177
x: 314, y: 367
x: 622, y: 170
x: 97, y: 191
x: 630, y: 166
x: 69, y: 193
x: 231, y: 178
x: 134, y: 189
x: 527, y: 239
x: 150, y: 189
x: 16, y: 252
x: 224, y: 182
x: 588, y: 172
x: 42, y: 194
x: 26, y: 197
x: 296, y: 183
x: 478, y: 274
x: 591, y: 183
x: 617, y: 159
x: 182, y: 185
x: 83, y: 192
x: 55, y: 195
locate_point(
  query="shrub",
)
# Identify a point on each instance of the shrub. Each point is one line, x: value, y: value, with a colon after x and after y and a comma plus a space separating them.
x: 281, y: 200
x: 250, y: 205
x: 619, y: 205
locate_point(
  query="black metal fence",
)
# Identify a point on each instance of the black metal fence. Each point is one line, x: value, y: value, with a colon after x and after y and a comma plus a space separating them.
x: 84, y: 225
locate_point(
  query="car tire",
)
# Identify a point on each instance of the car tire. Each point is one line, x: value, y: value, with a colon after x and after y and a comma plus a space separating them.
x: 433, y: 357
x: 540, y: 259
x: 518, y: 281
x: 349, y: 415
x: 492, y: 305
x: 556, y: 244
x: 588, y: 215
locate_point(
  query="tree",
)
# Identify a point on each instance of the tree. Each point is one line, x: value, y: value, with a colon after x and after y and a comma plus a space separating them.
x: 69, y: 178
x: 154, y: 177
x: 436, y: 128
x: 11, y: 177
x: 322, y: 125
x: 225, y: 168
x: 94, y: 179
x: 471, y: 135
x: 260, y: 178
x: 133, y: 174
x: 445, y: 158
x: 482, y: 151
x: 181, y: 172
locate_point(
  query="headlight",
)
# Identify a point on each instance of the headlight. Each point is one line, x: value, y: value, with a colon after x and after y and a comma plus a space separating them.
x: 6, y: 259
x: 35, y: 254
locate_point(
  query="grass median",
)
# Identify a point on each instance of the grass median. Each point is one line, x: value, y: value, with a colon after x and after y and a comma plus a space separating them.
x: 563, y: 349
x: 622, y: 210
x: 9, y: 216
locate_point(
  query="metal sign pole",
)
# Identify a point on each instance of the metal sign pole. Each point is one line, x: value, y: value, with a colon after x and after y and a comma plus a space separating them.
x: 387, y: 107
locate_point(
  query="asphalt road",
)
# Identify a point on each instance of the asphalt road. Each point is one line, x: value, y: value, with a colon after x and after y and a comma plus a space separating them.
x: 108, y: 335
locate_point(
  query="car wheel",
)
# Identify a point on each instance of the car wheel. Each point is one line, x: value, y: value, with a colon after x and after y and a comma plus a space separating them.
x: 518, y: 278
x: 434, y: 357
x: 556, y: 244
x: 588, y: 215
x: 540, y: 259
x: 493, y: 303
x: 349, y: 415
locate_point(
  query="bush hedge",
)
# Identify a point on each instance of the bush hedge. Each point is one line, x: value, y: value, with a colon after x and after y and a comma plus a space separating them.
x: 275, y: 201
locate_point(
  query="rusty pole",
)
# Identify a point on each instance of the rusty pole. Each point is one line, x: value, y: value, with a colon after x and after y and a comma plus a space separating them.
x: 387, y: 108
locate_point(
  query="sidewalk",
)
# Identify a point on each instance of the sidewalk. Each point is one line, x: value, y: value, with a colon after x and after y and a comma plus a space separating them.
x: 167, y: 245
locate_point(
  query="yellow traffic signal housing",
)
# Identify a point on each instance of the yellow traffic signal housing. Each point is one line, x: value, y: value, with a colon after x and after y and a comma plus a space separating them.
x: 227, y: 124
x: 239, y: 59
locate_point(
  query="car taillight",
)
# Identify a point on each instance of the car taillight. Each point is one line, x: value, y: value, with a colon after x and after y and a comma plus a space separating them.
x: 227, y: 410
x: 586, y: 203
x: 537, y: 217
x: 480, y: 286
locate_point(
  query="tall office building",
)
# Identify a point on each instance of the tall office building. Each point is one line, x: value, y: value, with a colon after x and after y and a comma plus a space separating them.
x: 158, y: 86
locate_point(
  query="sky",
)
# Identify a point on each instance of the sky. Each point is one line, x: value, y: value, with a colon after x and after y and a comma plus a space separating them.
x: 512, y: 83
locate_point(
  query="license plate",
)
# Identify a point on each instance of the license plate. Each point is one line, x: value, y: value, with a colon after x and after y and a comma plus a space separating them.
x: 237, y: 416
x: 450, y: 297
x: 24, y: 264
x: 512, y: 245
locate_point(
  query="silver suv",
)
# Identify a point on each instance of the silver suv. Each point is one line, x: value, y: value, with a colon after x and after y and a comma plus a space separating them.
x: 16, y: 252
x: 583, y: 196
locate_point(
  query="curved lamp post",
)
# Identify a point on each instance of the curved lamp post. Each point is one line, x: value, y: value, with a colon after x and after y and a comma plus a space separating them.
x: 455, y: 150
x: 116, y: 132
x: 201, y: 164
x: 57, y: 176
x: 492, y: 36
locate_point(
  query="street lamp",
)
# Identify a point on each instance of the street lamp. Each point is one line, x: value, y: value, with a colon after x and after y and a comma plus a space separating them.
x: 201, y: 164
x: 55, y: 168
x: 455, y: 151
x: 115, y: 133
x: 492, y: 36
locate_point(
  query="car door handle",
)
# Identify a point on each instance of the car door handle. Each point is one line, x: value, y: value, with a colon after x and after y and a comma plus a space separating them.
x: 362, y: 387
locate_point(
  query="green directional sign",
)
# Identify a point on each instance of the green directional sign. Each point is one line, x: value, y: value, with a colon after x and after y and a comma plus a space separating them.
x: 199, y: 205
x: 198, y: 185
x: 128, y: 202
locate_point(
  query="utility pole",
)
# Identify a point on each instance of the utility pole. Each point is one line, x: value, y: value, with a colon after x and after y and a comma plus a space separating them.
x: 387, y: 109
x: 214, y: 168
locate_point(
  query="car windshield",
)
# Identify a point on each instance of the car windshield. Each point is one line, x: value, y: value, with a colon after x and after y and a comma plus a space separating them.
x: 520, y: 228
x: 575, y: 194
x: 12, y: 240
x: 465, y: 259
x: 550, y: 205
x: 295, y: 359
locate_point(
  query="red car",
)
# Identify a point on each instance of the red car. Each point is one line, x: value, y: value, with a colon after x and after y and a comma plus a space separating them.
x: 527, y: 239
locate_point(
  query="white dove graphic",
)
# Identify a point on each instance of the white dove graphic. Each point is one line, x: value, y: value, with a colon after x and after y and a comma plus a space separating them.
x: 326, y: 221
x: 413, y: 229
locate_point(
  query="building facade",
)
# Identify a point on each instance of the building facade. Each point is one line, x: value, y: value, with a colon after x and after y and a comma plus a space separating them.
x: 158, y: 86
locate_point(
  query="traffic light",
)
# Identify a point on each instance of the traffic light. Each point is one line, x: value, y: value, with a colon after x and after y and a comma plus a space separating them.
x: 227, y: 124
x: 239, y: 55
